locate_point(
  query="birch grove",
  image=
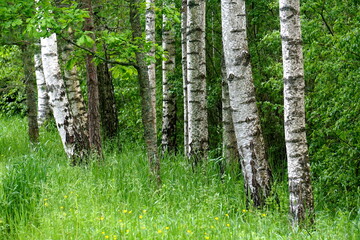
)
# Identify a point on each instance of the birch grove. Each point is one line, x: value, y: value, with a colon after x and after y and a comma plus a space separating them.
x: 245, y: 114
x: 301, y: 196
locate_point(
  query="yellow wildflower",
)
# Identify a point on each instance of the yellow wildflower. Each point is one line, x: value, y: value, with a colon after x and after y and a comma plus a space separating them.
x: 228, y: 225
x: 212, y: 226
x: 167, y: 228
x: 216, y: 218
x: 65, y: 196
x: 140, y: 216
x: 227, y: 215
x: 207, y: 237
x: 125, y: 211
x: 263, y: 215
x: 159, y: 231
x: 102, y: 218
x: 106, y: 236
x: 102, y: 233
x: 189, y: 231
x: 244, y: 210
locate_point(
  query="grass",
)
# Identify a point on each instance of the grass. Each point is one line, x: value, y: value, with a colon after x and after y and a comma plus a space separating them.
x: 42, y: 197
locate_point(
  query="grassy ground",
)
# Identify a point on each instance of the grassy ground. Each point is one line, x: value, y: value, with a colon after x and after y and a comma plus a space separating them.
x: 42, y: 197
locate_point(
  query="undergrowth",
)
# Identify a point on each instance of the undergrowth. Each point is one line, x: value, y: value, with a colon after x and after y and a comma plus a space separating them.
x: 43, y: 197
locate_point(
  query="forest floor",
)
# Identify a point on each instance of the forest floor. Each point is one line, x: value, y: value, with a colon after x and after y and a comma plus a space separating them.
x: 43, y: 197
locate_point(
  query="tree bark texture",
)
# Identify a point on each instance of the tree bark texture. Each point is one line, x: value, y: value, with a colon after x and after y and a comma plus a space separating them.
x: 184, y: 73
x: 108, y: 110
x: 58, y: 99
x: 43, y: 106
x: 301, y: 196
x: 93, y: 86
x: 148, y: 112
x: 30, y: 88
x: 196, y: 77
x: 168, y: 140
x: 150, y: 37
x: 245, y: 114
x: 76, y: 100
x: 230, y: 152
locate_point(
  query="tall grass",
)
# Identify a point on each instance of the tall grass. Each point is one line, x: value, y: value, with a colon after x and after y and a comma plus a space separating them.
x: 43, y: 197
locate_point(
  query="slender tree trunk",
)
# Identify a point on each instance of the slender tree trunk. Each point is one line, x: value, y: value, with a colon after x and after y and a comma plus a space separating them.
x: 184, y: 73
x: 93, y: 86
x: 169, y: 97
x: 43, y: 97
x: 150, y: 37
x: 245, y: 115
x: 58, y: 99
x: 148, y: 112
x: 76, y: 100
x: 30, y: 88
x: 108, y: 110
x: 196, y: 76
x: 301, y: 196
x: 230, y: 152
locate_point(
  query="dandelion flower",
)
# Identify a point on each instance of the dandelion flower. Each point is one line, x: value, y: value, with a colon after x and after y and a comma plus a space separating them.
x: 159, y: 231
x: 140, y: 216
x: 188, y: 231
x: 227, y: 215
x: 65, y: 196
x: 228, y: 225
x: 102, y: 218
x: 207, y: 237
x: 167, y: 228
x: 125, y: 211
x: 216, y: 218
x: 102, y: 233
x: 106, y: 236
x: 244, y: 210
x: 263, y: 215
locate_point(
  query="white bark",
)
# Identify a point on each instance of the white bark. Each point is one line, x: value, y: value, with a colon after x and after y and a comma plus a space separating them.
x: 184, y: 73
x: 301, y: 198
x: 150, y: 37
x: 57, y: 93
x: 74, y: 93
x: 196, y: 76
x: 43, y: 97
x: 242, y: 100
x: 168, y: 68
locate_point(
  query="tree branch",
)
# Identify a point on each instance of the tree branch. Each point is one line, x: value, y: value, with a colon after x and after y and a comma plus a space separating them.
x: 126, y: 64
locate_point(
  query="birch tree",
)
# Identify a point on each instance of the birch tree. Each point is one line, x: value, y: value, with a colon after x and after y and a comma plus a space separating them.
x: 196, y: 77
x: 245, y: 114
x: 58, y: 99
x: 301, y: 196
x: 150, y: 38
x: 184, y: 73
x: 43, y: 107
x: 72, y: 84
x: 168, y: 139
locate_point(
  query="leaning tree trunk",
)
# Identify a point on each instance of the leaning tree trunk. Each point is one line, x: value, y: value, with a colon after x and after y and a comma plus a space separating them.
x: 58, y: 99
x: 93, y: 86
x: 168, y: 140
x: 301, y: 197
x: 196, y: 76
x: 184, y: 73
x: 148, y: 112
x: 76, y: 100
x: 43, y: 107
x: 30, y: 88
x: 150, y: 37
x: 245, y: 115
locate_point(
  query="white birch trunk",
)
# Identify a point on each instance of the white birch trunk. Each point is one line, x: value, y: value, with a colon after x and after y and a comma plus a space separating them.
x: 57, y: 94
x: 150, y: 37
x: 43, y: 97
x: 196, y: 76
x: 74, y: 93
x: 184, y: 73
x: 243, y: 103
x: 301, y: 197
x: 168, y: 68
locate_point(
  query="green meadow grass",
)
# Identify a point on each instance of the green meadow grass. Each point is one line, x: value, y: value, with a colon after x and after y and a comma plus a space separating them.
x: 43, y: 197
